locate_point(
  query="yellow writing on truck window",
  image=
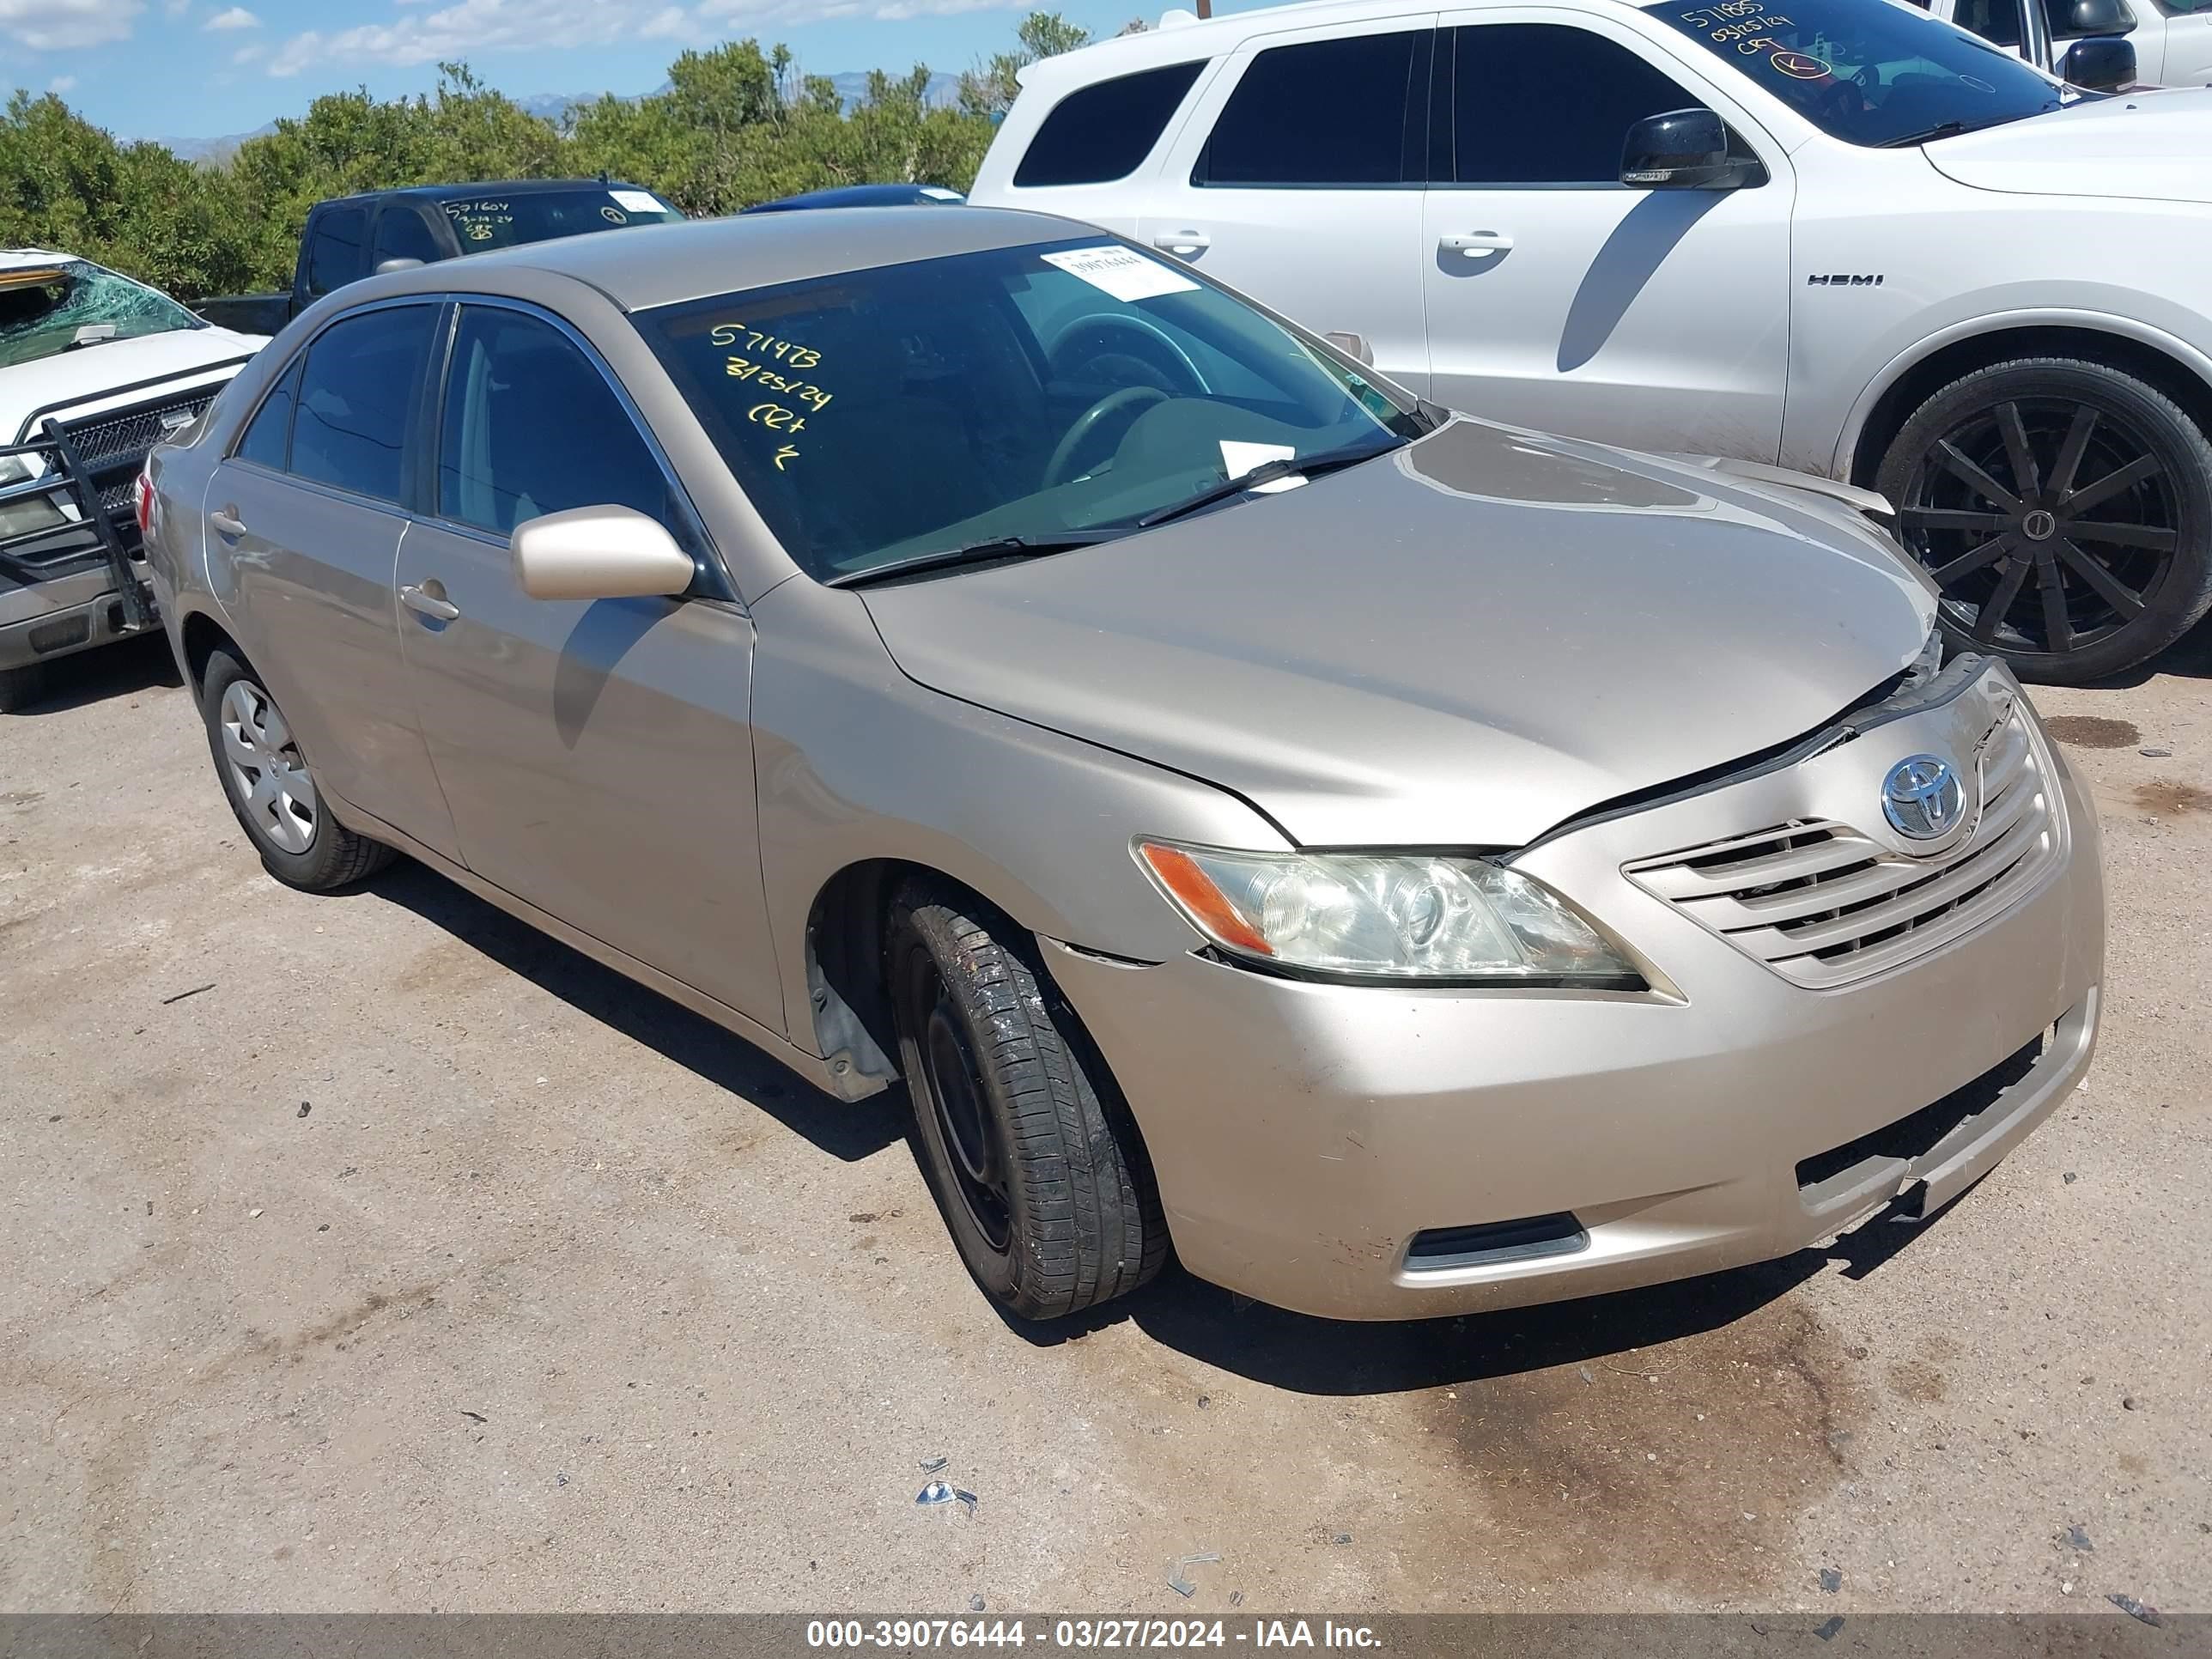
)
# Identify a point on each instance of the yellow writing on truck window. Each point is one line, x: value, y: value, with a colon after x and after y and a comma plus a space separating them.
x: 776, y: 418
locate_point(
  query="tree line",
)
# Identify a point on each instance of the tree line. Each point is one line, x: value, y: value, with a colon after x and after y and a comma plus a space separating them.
x: 735, y: 124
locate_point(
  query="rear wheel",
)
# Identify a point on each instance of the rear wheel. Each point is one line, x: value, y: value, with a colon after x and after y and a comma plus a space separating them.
x: 271, y: 789
x: 2064, y: 508
x: 21, y: 687
x: 1027, y: 1147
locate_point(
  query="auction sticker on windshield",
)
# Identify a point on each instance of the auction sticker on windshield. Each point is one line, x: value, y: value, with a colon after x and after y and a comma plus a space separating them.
x: 637, y: 201
x: 1122, y: 272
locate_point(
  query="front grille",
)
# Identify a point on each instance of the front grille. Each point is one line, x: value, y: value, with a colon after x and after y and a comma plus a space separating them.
x: 113, y: 445
x: 1823, y: 905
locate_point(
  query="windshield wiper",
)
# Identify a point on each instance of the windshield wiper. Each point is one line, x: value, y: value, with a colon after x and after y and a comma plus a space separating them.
x: 1941, y: 130
x: 1285, y: 466
x: 998, y: 547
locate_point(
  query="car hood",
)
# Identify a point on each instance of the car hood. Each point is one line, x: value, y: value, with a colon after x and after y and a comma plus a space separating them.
x: 1461, y: 644
x: 73, y: 382
x: 2149, y: 145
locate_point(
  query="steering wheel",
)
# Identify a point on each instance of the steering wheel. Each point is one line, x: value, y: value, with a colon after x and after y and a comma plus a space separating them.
x: 1128, y: 397
x: 1143, y: 348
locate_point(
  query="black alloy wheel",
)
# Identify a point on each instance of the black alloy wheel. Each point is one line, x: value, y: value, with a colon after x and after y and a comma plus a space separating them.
x: 2064, y: 510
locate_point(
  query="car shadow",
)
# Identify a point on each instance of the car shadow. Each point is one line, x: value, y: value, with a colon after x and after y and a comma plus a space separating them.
x: 1305, y: 1355
x: 120, y: 670
x: 847, y: 1131
x: 2189, y: 656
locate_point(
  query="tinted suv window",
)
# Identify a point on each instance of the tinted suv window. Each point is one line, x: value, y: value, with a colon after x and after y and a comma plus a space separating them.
x: 532, y: 427
x: 1102, y: 133
x: 1511, y: 126
x: 1997, y: 21
x: 268, y: 440
x: 334, y: 249
x: 404, y: 234
x: 357, y: 393
x: 1326, y: 113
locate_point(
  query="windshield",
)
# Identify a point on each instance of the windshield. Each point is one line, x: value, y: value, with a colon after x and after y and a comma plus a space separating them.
x: 1064, y: 389
x: 485, y: 222
x: 1868, y: 71
x: 68, y: 305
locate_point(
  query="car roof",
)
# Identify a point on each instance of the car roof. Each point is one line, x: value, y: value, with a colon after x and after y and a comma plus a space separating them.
x: 649, y: 265
x: 484, y: 186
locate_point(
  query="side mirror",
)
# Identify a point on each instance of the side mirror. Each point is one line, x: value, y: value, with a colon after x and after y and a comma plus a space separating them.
x: 1684, y: 149
x: 1353, y: 346
x: 598, y: 553
x: 386, y: 267
x: 2100, y: 64
x: 2080, y: 17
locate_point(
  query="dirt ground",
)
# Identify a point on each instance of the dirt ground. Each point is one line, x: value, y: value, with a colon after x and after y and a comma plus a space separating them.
x: 375, y: 1253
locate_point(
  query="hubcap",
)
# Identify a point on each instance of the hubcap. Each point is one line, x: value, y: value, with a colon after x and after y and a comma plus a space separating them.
x: 265, y: 772
x: 2048, y: 524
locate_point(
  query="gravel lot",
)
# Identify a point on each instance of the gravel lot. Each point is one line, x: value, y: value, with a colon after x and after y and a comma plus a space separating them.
x: 418, y: 1262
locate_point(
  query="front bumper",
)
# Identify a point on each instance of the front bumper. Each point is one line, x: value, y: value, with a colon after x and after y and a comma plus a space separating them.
x: 60, y: 617
x: 1304, y: 1134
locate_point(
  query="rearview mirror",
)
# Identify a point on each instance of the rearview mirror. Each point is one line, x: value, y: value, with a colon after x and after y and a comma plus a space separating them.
x: 2080, y: 17
x: 598, y: 553
x: 1684, y: 149
x: 2101, y: 65
x: 386, y: 267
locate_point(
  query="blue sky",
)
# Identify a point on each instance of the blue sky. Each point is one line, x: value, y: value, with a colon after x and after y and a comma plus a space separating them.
x: 200, y: 68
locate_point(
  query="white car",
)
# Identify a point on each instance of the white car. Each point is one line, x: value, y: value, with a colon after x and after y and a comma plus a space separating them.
x: 2171, y: 38
x: 1852, y: 240
x: 95, y: 370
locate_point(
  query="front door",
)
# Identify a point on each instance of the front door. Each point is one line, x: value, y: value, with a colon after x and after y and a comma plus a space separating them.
x: 306, y: 511
x: 597, y: 755
x: 1559, y: 299
x: 1298, y: 181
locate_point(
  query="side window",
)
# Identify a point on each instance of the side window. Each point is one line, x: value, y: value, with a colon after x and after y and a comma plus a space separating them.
x: 532, y: 427
x: 1326, y: 113
x: 358, y: 393
x: 1513, y: 126
x: 403, y: 233
x: 334, y: 249
x: 1102, y: 133
x: 1997, y: 22
x: 268, y: 439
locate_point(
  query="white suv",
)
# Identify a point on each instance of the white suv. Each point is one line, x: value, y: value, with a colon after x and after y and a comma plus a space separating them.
x: 1850, y: 239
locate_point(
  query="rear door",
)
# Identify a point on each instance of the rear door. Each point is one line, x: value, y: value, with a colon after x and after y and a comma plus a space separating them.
x: 304, y: 520
x: 1560, y: 299
x: 597, y: 755
x: 1298, y: 178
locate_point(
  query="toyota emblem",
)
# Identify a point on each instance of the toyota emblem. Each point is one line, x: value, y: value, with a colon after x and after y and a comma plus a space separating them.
x: 1922, y: 798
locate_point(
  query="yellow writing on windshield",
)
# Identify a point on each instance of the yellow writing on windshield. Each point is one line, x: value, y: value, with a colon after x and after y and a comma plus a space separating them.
x: 737, y: 368
x: 789, y: 352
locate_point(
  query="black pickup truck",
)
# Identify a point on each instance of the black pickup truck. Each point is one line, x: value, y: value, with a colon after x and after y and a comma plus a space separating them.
x: 355, y: 236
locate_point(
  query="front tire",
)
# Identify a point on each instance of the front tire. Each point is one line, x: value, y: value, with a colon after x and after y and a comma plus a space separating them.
x: 21, y: 687
x: 1027, y: 1147
x: 2065, y: 509
x: 271, y: 789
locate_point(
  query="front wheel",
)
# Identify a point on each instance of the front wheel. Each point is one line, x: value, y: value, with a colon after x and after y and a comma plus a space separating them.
x: 271, y: 789
x: 1027, y: 1147
x: 2064, y: 508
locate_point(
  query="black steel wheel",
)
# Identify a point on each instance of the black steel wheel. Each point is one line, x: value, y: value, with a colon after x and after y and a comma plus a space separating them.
x: 2064, y: 508
x: 1030, y: 1150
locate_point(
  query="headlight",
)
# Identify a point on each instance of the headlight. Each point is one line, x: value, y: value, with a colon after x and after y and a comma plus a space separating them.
x: 1377, y: 916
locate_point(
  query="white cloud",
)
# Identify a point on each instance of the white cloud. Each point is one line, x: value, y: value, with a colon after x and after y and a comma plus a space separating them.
x: 247, y: 54
x: 62, y: 83
x: 68, y: 25
x: 176, y: 8
x: 236, y: 18
x: 466, y: 28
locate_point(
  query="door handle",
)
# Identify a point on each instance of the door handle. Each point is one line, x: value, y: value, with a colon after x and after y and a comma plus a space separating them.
x: 226, y: 523
x: 1475, y: 243
x: 1181, y: 242
x: 428, y: 605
